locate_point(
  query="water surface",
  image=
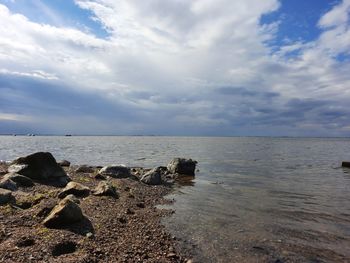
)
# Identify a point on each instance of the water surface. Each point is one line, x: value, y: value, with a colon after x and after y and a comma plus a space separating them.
x: 252, y: 200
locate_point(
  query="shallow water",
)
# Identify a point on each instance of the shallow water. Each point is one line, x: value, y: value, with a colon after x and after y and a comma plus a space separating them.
x: 252, y: 200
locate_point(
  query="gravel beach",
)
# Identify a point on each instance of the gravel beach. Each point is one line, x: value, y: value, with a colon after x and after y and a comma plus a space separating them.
x: 121, y: 228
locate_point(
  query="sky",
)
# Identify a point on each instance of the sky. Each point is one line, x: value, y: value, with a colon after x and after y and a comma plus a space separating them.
x: 175, y: 67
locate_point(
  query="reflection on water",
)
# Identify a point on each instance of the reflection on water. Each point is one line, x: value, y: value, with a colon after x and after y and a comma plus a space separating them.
x: 253, y: 199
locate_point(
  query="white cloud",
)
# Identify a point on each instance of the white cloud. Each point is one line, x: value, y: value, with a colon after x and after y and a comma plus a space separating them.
x: 339, y: 15
x: 14, y: 117
x: 168, y: 58
x: 34, y: 74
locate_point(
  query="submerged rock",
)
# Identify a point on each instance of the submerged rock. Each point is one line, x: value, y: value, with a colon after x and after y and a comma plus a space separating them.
x: 115, y: 171
x: 40, y: 166
x: 182, y: 166
x: 20, y: 180
x: 153, y: 177
x: 75, y: 189
x: 5, y: 196
x: 66, y: 212
x: 345, y: 164
x: 106, y: 189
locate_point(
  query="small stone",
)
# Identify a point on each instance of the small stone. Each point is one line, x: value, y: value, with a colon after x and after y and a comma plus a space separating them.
x: 171, y: 255
x: 105, y: 189
x: 5, y: 196
x: 89, y: 235
x: 84, y: 169
x: 76, y: 189
x: 122, y: 220
x: 129, y: 212
x: 100, y: 177
x: 115, y: 171
x: 64, y: 163
x: 141, y: 205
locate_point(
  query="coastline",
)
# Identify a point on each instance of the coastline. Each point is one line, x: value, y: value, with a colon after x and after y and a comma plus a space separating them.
x: 123, y: 229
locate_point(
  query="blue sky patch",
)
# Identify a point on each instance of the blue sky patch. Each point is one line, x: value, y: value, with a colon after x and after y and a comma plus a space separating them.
x: 58, y: 13
x: 297, y: 20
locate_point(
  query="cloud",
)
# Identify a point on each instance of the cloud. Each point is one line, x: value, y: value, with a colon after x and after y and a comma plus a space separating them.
x: 175, y: 67
x: 339, y: 15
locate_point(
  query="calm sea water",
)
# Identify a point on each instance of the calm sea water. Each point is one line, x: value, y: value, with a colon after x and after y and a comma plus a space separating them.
x: 252, y: 200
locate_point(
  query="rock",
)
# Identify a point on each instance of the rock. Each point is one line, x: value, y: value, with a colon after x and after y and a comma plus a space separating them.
x: 182, y: 166
x: 345, y: 164
x: 115, y: 171
x: 64, y: 163
x: 5, y: 196
x: 20, y: 180
x: 141, y: 205
x: 100, y: 177
x: 84, y: 169
x: 171, y: 255
x: 89, y: 235
x: 66, y: 212
x: 8, y: 184
x: 75, y: 189
x: 3, y: 169
x: 40, y: 166
x: 105, y: 188
x: 152, y: 177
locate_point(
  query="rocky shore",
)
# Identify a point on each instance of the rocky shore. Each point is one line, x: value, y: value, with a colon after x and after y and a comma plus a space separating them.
x: 57, y: 212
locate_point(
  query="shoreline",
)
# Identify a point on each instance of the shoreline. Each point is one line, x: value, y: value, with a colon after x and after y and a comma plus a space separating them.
x: 123, y: 229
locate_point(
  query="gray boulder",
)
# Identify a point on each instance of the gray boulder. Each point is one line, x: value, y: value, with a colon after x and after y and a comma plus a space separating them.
x: 5, y: 196
x: 66, y: 212
x: 115, y: 171
x: 75, y: 189
x: 105, y: 189
x: 20, y: 180
x: 40, y: 166
x: 153, y: 177
x: 182, y: 166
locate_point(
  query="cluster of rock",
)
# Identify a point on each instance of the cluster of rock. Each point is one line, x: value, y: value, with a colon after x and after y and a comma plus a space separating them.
x: 42, y: 168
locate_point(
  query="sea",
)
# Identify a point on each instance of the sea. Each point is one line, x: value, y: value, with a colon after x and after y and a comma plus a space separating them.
x: 253, y: 199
